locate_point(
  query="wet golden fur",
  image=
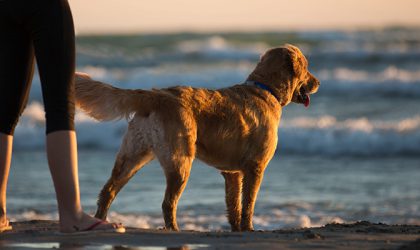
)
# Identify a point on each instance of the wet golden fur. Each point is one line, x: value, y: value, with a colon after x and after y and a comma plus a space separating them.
x: 233, y: 129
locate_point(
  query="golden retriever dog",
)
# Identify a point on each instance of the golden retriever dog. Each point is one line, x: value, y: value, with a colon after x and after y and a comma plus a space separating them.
x: 233, y: 129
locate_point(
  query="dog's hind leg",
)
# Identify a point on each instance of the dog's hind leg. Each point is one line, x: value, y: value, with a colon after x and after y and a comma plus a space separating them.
x: 124, y: 168
x: 174, y: 146
x: 130, y: 159
x: 233, y: 188
x: 176, y: 173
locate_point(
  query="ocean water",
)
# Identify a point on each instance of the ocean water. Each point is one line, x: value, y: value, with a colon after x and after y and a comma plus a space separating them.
x: 353, y: 155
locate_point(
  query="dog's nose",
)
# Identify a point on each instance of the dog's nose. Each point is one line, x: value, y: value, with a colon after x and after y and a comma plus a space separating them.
x: 313, y: 85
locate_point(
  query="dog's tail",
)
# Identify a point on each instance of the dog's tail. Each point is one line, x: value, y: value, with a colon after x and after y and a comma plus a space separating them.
x: 105, y: 102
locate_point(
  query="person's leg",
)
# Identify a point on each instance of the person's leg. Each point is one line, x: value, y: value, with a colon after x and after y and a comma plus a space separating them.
x: 16, y: 70
x: 62, y: 159
x: 54, y: 43
x: 6, y: 142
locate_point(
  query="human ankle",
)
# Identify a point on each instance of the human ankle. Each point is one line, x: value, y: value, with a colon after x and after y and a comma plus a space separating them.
x: 2, y: 212
x: 3, y: 217
x: 70, y: 217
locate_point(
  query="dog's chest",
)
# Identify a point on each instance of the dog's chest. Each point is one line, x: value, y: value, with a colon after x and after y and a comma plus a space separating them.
x: 227, y: 147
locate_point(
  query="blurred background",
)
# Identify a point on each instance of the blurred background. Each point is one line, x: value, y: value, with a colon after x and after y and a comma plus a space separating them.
x: 160, y: 16
x: 354, y: 154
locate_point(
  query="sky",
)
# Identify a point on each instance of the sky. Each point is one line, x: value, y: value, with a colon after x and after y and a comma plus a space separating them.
x: 159, y: 16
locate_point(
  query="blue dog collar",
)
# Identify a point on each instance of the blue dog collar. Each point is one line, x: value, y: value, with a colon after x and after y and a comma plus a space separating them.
x: 263, y: 86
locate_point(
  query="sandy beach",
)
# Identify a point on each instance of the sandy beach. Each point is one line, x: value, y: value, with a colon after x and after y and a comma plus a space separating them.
x: 352, y: 156
x: 361, y: 235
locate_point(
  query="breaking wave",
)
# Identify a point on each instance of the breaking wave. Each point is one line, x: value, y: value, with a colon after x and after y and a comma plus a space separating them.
x: 322, y: 135
x: 329, y: 136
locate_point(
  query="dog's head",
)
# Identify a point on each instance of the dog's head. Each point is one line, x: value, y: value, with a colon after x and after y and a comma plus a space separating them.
x: 285, y: 71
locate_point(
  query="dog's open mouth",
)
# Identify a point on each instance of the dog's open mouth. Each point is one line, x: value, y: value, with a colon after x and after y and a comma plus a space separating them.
x: 303, y: 97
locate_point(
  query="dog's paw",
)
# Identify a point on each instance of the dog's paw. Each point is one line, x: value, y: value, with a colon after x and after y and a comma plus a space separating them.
x: 171, y: 228
x: 247, y: 228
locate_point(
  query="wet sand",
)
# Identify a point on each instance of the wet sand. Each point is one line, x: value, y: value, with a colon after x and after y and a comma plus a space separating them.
x: 360, y: 235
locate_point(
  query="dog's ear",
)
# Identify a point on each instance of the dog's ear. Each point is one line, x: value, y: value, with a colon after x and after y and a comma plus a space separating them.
x: 299, y: 63
x: 263, y: 56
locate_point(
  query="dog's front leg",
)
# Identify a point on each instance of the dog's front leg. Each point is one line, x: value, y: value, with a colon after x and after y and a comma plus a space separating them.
x: 250, y: 187
x: 233, y: 189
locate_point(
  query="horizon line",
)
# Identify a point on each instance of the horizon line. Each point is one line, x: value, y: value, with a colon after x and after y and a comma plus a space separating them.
x: 342, y: 28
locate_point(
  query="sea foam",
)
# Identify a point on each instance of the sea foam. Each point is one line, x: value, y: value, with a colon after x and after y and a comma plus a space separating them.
x: 316, y: 135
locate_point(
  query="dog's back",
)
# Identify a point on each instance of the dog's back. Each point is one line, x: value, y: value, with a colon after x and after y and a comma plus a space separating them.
x: 227, y: 123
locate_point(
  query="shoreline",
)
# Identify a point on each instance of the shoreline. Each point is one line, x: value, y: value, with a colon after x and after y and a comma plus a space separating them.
x: 360, y: 235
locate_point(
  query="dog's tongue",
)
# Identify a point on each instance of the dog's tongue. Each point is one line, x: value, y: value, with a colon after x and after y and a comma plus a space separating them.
x: 307, y: 100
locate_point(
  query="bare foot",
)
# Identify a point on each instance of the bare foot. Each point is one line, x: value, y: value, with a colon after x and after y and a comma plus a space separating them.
x: 4, y: 224
x: 89, y: 223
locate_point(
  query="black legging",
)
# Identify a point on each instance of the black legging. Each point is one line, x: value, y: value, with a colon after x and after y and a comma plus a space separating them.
x: 43, y: 29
